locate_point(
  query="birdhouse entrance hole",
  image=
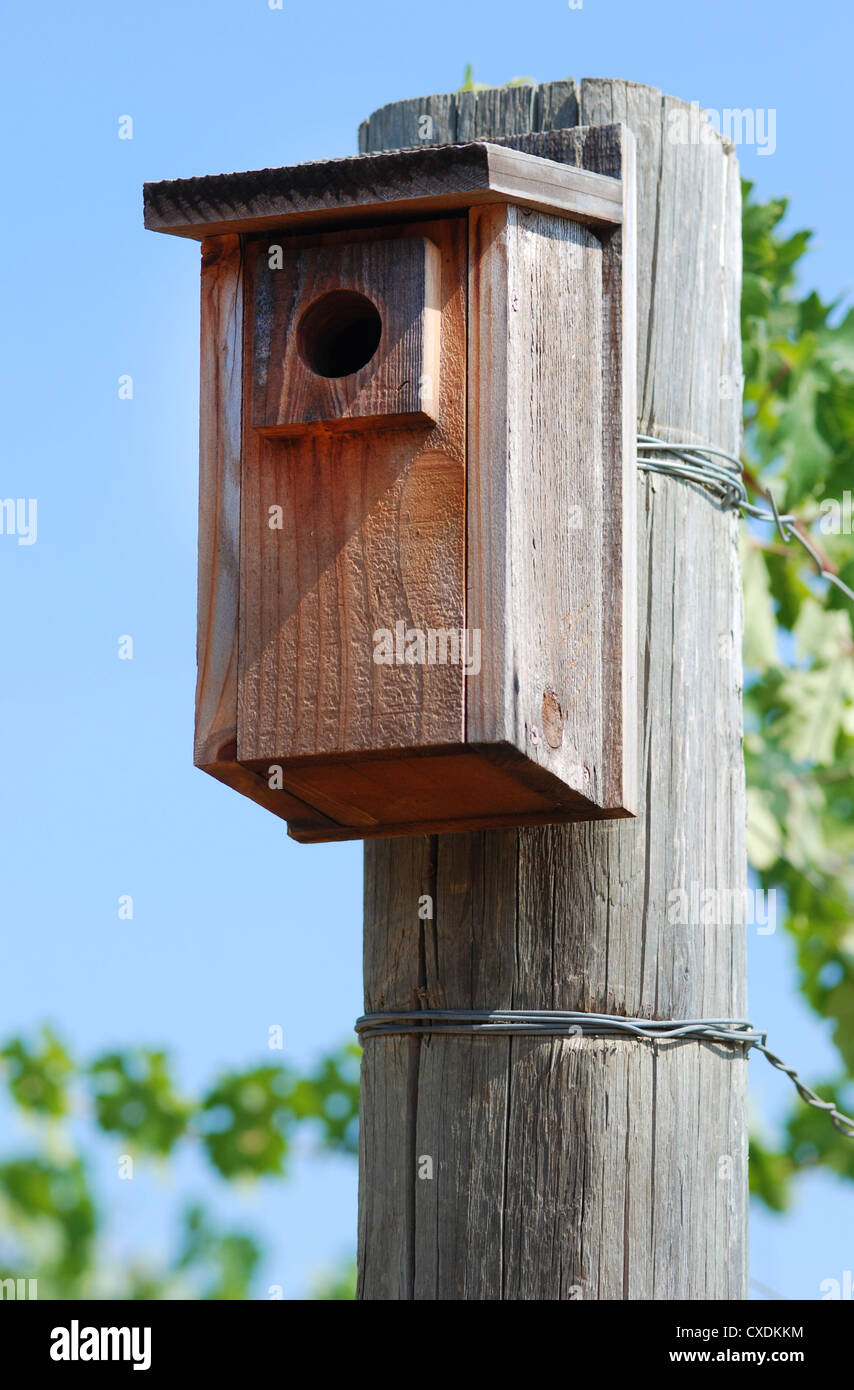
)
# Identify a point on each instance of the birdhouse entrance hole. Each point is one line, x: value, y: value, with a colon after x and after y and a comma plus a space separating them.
x: 339, y: 333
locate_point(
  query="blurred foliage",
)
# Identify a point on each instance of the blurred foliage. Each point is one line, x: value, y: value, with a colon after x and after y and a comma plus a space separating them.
x: 229, y: 1257
x: 336, y: 1285
x: 247, y: 1119
x: 38, y: 1079
x: 799, y: 674
x: 469, y: 84
x: 133, y: 1096
x: 244, y: 1126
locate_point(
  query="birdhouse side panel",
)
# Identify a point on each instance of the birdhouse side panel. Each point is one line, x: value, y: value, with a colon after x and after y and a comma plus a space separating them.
x: 546, y: 503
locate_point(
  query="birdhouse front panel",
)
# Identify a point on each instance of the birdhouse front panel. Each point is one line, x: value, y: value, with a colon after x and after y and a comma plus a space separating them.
x: 416, y: 575
x: 354, y: 530
x: 344, y: 333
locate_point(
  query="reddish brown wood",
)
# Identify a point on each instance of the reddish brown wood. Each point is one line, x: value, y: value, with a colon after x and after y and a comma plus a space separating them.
x: 372, y: 463
x: 318, y: 309
x: 372, y: 533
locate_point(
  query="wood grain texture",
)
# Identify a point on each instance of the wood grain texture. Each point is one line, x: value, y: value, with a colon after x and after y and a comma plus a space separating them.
x: 550, y: 538
x: 220, y: 421
x: 372, y: 535
x: 551, y: 497
x: 398, y: 385
x: 588, y: 1168
x: 410, y: 183
x: 334, y: 498
x: 470, y: 115
x: 219, y: 497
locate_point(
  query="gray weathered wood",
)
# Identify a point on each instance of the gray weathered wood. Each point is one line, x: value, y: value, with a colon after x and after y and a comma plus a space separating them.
x: 551, y: 485
x: 587, y: 1168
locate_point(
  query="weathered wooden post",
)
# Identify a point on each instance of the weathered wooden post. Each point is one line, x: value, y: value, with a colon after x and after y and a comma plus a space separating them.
x: 419, y: 581
x: 587, y: 1168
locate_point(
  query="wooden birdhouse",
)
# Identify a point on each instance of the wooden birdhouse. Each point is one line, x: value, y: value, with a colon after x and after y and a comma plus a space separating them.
x: 416, y: 531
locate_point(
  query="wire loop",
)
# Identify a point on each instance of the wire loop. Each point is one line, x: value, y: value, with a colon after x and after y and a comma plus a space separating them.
x: 698, y: 463
x: 721, y: 474
x: 567, y: 1023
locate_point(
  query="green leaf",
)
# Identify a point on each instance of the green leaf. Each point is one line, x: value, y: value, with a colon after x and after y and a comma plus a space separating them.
x: 246, y: 1120
x: 769, y: 1175
x: 135, y: 1098
x: 330, y: 1095
x: 764, y: 833
x: 51, y: 1202
x: 760, y: 626
x: 469, y: 84
x: 37, y: 1076
x: 227, y: 1259
x: 818, y: 700
x: 337, y: 1284
x: 807, y: 456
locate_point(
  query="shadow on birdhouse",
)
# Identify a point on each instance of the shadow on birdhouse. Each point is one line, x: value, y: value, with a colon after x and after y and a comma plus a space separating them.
x: 416, y: 535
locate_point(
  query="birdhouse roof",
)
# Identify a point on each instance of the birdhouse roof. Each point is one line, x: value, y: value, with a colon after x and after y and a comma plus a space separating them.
x: 404, y: 183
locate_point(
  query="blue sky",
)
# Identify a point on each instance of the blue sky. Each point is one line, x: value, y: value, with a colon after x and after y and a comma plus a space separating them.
x: 235, y: 927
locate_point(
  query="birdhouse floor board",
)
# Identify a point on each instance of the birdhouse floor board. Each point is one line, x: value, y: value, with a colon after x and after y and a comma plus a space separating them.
x: 257, y: 788
x: 417, y: 789
x: 457, y: 789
